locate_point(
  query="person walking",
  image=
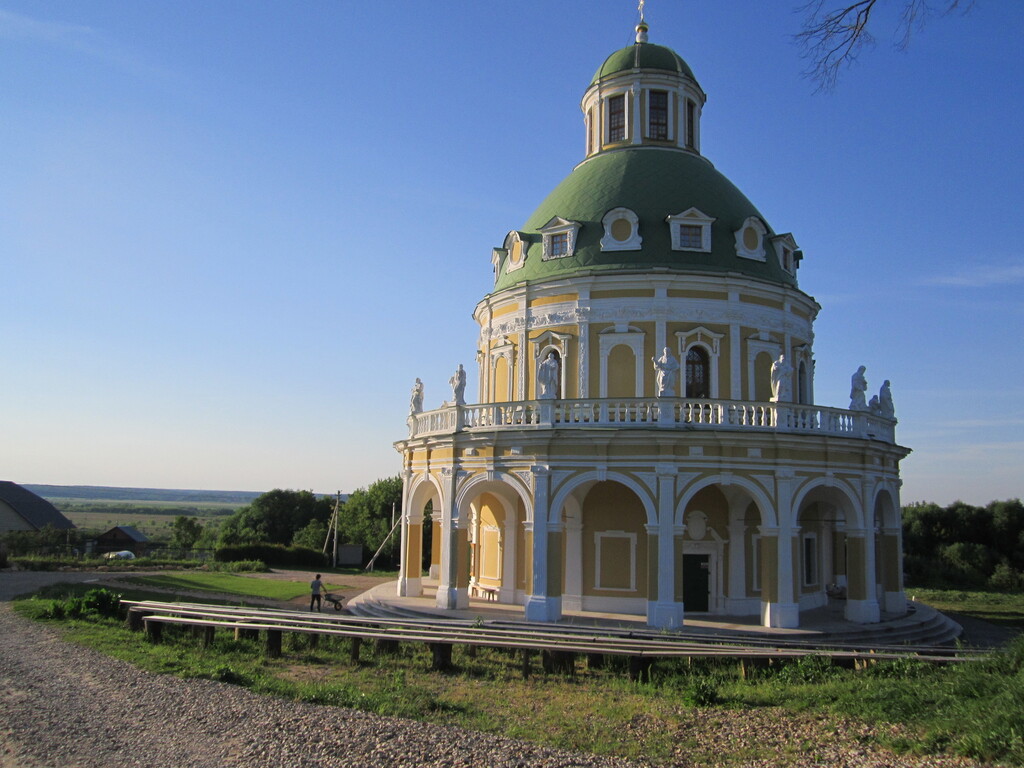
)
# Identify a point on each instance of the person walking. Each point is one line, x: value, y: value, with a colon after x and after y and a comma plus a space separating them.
x: 314, y: 589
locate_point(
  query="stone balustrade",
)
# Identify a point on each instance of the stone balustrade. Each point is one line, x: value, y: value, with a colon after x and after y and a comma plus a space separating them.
x: 662, y: 413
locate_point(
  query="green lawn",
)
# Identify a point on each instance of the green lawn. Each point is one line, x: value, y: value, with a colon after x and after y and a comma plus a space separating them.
x: 971, y: 708
x: 231, y: 584
x: 1004, y: 609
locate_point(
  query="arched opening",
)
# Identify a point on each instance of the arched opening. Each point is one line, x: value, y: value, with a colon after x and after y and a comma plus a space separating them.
x: 698, y: 373
x: 821, y: 554
x: 703, y: 564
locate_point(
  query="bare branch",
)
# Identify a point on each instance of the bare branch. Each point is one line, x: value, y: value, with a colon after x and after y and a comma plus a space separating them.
x: 833, y: 37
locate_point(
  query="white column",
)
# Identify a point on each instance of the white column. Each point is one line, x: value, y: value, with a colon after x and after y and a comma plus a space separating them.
x: 735, y: 358
x: 540, y: 606
x: 665, y: 612
x: 449, y: 593
x: 572, y: 595
x: 737, y: 589
x: 784, y: 612
x: 507, y: 593
x: 409, y: 586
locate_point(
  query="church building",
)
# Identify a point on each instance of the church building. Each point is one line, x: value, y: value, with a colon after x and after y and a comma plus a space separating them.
x: 645, y: 439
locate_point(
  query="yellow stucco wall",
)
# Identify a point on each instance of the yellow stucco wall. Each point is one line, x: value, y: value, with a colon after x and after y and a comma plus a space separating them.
x: 613, y: 519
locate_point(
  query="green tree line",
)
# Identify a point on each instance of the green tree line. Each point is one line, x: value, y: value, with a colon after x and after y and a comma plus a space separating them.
x: 963, y: 546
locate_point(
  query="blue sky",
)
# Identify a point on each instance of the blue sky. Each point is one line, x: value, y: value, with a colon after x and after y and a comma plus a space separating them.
x: 233, y: 233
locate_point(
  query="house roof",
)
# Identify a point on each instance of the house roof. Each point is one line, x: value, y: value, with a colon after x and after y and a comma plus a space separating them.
x: 36, y: 510
x: 132, y: 533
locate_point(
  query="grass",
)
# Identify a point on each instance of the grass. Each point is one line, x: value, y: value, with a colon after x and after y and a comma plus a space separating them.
x: 971, y: 708
x: 1002, y: 608
x: 231, y: 584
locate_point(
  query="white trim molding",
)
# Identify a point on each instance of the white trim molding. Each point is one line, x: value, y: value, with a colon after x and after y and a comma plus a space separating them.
x: 695, y: 218
x: 610, y: 242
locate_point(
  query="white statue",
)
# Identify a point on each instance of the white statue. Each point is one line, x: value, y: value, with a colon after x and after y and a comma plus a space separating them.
x: 666, y: 369
x: 458, y: 382
x: 782, y: 381
x: 548, y: 378
x: 885, y: 405
x: 858, y: 388
x: 416, y: 400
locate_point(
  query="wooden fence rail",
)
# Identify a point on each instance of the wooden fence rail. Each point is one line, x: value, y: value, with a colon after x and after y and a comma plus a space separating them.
x: 558, y: 645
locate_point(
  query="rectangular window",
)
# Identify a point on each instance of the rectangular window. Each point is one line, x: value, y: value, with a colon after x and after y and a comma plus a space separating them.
x: 657, y: 115
x: 560, y: 244
x: 617, y: 118
x: 690, y: 124
x: 810, y: 560
x: 691, y: 237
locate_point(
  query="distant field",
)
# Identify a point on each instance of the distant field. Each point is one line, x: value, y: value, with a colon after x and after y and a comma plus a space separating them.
x: 153, y: 525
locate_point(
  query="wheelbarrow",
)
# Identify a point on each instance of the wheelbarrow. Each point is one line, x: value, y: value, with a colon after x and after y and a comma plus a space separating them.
x: 336, y: 600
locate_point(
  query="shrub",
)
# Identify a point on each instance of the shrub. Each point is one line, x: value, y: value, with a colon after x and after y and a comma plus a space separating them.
x: 273, y: 555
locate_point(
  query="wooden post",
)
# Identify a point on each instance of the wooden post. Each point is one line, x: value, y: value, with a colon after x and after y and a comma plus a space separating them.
x: 135, y: 617
x: 354, y: 651
x: 207, y: 636
x: 274, y: 643
x: 442, y: 653
x: 526, y: 663
x: 595, y: 661
x: 385, y: 646
x: 154, y: 631
x: 639, y: 668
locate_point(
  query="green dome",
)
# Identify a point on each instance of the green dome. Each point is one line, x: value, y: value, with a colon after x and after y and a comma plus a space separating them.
x: 654, y: 183
x: 643, y: 56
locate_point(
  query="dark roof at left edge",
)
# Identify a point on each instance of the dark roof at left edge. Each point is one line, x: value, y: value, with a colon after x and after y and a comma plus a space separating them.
x: 35, y: 509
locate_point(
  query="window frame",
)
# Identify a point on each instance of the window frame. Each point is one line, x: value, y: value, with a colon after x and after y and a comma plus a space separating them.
x: 692, y: 217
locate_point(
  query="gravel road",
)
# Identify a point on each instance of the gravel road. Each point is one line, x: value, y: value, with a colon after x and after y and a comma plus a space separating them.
x: 62, y: 706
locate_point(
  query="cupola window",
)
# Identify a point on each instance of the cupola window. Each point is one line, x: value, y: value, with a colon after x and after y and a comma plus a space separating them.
x: 691, y: 231
x: 691, y: 125
x: 617, y: 118
x: 750, y: 239
x: 559, y: 238
x: 657, y: 115
x: 621, y: 231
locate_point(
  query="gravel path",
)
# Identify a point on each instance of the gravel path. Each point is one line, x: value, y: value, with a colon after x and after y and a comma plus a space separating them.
x: 62, y: 706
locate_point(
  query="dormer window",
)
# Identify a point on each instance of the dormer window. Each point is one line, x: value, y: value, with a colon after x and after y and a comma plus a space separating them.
x: 750, y: 239
x: 621, y: 231
x: 657, y: 115
x: 617, y: 118
x: 691, y: 231
x: 559, y: 238
x: 787, y: 251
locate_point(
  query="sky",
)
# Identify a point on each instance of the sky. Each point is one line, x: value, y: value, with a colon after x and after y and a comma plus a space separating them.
x: 233, y: 233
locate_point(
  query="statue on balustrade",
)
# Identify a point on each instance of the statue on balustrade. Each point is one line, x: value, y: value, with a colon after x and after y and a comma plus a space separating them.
x: 416, y: 400
x: 885, y: 404
x: 858, y: 390
x: 548, y: 378
x: 782, y: 381
x: 458, y: 383
x: 666, y: 367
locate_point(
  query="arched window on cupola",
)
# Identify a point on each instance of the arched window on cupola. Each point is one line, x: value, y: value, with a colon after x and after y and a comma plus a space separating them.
x: 698, y: 373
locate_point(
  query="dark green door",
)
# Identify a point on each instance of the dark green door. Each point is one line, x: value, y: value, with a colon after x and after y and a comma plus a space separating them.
x: 696, y: 582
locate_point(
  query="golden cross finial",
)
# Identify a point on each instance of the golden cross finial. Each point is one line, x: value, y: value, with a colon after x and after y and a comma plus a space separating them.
x: 641, y: 28
x: 641, y: 9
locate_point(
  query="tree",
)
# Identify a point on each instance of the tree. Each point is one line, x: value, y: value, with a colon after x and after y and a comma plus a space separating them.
x: 365, y: 517
x: 185, y: 532
x: 274, y: 517
x: 312, y: 536
x: 833, y: 36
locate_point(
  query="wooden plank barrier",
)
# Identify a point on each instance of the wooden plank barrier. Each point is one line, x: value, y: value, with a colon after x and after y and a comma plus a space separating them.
x: 559, y: 645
